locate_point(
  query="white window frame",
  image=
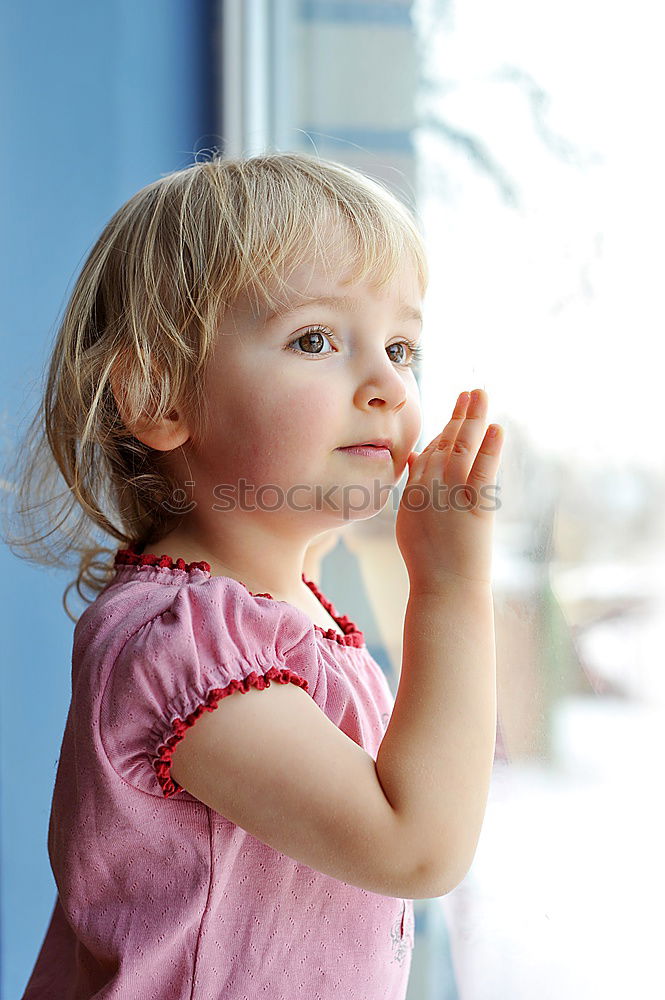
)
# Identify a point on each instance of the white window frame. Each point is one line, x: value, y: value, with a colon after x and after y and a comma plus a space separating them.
x: 254, y: 99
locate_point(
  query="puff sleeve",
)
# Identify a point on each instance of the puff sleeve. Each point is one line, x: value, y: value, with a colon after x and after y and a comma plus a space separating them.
x: 213, y: 639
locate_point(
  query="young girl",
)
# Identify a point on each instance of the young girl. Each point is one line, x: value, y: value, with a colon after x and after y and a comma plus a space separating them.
x: 241, y: 810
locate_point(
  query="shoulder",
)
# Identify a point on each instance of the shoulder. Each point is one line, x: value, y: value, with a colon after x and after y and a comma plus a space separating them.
x: 180, y: 651
x: 191, y: 607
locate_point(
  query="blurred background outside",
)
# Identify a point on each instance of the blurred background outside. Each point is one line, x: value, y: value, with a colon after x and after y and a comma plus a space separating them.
x: 524, y: 136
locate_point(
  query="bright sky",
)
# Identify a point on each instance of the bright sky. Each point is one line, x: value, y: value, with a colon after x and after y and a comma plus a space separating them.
x: 555, y: 308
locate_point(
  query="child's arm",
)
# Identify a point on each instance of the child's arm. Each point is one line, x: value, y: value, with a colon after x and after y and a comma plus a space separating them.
x: 435, y: 760
x: 406, y: 825
x: 271, y: 761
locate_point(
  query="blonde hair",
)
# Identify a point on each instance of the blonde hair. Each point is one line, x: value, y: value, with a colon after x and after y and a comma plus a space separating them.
x: 147, y: 303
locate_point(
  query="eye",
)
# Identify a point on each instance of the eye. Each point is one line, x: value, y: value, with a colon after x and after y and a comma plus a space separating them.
x: 311, y: 339
x: 313, y: 336
x: 415, y: 353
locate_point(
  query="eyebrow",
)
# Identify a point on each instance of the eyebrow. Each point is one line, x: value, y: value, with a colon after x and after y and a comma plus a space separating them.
x: 346, y: 303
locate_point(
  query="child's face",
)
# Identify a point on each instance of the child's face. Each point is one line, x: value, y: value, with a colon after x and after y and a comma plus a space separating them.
x: 280, y: 408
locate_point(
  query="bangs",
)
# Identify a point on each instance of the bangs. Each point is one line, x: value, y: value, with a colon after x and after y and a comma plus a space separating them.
x: 291, y: 210
x: 365, y: 254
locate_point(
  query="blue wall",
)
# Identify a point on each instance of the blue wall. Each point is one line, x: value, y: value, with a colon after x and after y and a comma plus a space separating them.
x: 98, y: 99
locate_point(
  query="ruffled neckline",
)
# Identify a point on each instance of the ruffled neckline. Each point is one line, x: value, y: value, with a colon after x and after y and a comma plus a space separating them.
x: 349, y: 634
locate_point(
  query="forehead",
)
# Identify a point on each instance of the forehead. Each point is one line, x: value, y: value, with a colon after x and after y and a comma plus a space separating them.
x: 404, y: 310
x: 325, y: 284
x: 328, y: 277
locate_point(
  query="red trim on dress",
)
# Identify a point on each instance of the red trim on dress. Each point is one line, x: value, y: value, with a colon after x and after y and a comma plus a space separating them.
x: 162, y: 763
x: 127, y: 557
x: 350, y: 634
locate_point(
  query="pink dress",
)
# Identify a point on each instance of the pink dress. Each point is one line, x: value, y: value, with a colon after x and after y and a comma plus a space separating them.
x: 159, y: 896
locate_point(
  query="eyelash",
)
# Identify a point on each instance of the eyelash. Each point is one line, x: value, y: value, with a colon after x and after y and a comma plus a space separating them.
x: 415, y: 356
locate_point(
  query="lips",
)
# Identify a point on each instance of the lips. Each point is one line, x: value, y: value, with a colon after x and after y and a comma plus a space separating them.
x: 374, y: 443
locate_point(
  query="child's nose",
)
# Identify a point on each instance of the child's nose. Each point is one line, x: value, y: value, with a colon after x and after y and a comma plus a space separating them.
x: 382, y: 384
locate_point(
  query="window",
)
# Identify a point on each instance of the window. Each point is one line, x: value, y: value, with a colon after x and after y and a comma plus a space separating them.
x: 537, y: 170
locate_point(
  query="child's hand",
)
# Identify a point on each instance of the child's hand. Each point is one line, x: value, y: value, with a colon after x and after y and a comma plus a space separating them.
x: 444, y: 524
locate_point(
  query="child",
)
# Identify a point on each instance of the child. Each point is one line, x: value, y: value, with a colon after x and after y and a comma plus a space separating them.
x: 241, y: 810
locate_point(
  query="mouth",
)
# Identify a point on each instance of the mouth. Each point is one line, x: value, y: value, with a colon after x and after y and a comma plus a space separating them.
x: 380, y: 448
x: 381, y: 444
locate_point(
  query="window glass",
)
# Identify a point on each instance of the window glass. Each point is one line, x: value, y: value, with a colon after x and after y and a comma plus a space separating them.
x: 524, y: 136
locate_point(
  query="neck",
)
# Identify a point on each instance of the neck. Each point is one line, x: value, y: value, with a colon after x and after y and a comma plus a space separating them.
x: 263, y: 561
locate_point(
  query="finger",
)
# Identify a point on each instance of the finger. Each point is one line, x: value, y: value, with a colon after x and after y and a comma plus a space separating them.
x: 452, y: 459
x: 449, y: 433
x: 485, y: 468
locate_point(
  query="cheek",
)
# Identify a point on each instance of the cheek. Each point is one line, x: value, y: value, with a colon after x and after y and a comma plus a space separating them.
x: 286, y: 428
x: 306, y: 419
x: 413, y: 417
x: 302, y: 407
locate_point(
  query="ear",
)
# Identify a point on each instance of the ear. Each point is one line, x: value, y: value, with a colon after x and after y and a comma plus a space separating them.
x: 162, y: 435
